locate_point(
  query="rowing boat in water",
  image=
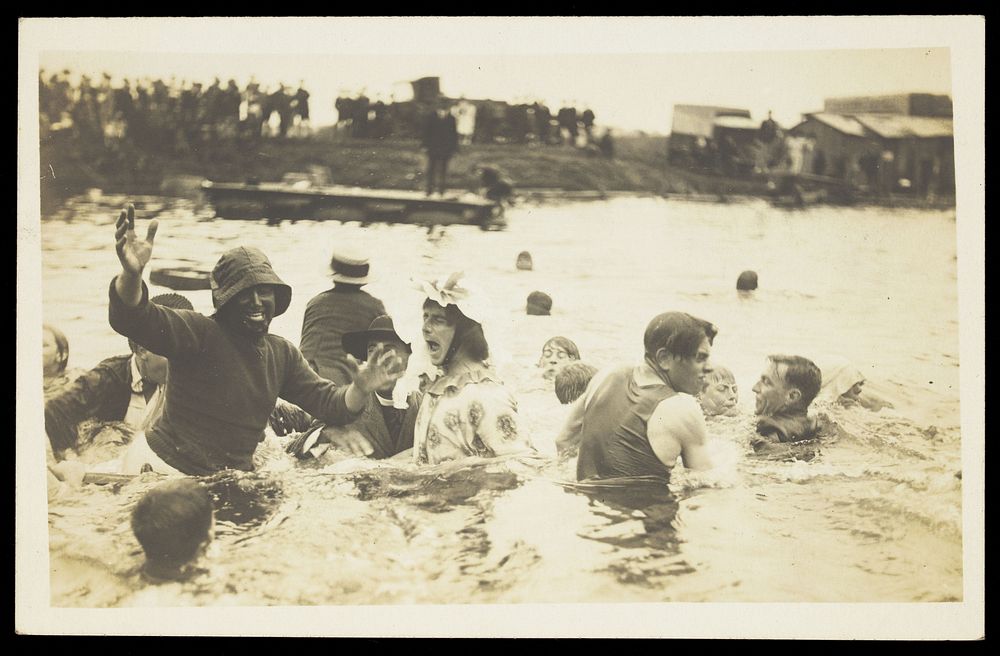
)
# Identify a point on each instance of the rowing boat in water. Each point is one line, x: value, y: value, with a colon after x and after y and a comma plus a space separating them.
x: 278, y: 201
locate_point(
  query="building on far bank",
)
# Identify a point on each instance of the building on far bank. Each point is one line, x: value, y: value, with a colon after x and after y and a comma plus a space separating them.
x: 898, y: 143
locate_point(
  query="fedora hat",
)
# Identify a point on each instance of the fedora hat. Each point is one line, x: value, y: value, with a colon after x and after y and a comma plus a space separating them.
x: 381, y: 328
x: 349, y: 266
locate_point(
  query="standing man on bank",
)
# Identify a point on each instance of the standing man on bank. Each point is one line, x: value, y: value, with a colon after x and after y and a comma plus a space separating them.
x: 440, y: 140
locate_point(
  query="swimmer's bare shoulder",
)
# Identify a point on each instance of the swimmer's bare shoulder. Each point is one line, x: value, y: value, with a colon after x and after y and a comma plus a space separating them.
x: 677, y: 429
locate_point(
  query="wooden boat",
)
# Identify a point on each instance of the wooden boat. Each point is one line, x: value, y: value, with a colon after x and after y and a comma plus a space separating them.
x: 181, y: 278
x: 277, y: 201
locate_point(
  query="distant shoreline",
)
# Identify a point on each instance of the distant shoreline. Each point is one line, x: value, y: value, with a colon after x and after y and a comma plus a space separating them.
x: 639, y: 166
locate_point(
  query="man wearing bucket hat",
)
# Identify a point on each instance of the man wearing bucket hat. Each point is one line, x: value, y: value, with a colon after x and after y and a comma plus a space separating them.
x: 638, y: 420
x: 383, y: 430
x: 227, y: 370
x: 329, y: 315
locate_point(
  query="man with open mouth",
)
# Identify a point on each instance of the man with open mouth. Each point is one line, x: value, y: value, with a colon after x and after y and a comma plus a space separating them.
x: 226, y: 371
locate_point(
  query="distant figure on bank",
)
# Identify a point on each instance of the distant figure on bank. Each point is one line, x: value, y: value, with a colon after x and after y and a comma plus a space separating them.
x: 341, y: 309
x: 638, y: 420
x: 785, y: 390
x: 607, y: 144
x: 55, y: 356
x: 539, y: 304
x: 174, y: 522
x: 126, y: 388
x: 556, y: 354
x: 524, y: 261
x: 747, y: 281
x: 440, y: 140
x: 465, y: 120
x: 383, y: 430
x: 845, y: 384
x: 226, y: 370
x: 719, y: 396
x: 572, y: 381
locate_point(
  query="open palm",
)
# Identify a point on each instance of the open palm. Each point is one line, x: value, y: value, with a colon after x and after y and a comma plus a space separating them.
x: 133, y: 251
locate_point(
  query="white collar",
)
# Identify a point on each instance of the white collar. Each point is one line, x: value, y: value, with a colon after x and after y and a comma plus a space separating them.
x: 136, y: 376
x: 385, y: 403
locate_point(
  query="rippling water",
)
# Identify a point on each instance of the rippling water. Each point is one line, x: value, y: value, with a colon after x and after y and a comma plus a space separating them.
x: 874, y: 515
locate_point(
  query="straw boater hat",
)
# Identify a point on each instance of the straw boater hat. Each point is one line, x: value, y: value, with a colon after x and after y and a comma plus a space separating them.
x: 349, y: 266
x: 381, y: 328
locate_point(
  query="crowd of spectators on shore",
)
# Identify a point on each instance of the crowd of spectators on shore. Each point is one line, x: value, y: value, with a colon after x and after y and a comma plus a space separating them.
x: 478, y: 121
x: 173, y: 115
x: 177, y: 116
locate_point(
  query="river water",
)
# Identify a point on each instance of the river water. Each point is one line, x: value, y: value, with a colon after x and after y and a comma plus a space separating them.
x: 874, y: 515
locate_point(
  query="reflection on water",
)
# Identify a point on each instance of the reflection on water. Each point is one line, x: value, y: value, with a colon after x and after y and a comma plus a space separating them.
x: 871, y: 515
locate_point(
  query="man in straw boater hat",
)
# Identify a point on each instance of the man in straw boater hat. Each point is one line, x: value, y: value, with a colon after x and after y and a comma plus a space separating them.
x: 383, y: 430
x: 342, y: 309
x: 226, y: 370
x: 637, y: 421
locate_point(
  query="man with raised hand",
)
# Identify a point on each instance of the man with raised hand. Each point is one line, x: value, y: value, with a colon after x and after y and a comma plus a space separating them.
x: 226, y: 370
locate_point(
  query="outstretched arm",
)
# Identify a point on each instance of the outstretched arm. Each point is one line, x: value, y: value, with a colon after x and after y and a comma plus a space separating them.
x: 133, y: 253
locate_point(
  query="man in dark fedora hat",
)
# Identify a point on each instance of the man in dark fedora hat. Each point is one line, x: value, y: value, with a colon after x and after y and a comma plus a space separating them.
x: 341, y: 309
x: 383, y: 430
x: 226, y: 371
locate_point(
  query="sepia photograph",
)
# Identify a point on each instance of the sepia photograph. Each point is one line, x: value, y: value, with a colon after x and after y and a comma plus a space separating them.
x: 501, y: 327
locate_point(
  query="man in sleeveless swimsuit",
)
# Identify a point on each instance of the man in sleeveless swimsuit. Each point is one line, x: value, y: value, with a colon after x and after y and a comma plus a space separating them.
x: 636, y: 420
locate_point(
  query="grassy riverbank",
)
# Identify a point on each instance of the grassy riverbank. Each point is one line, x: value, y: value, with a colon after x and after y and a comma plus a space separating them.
x: 639, y: 166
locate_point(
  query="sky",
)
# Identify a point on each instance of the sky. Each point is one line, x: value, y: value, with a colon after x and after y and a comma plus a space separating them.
x: 630, y: 72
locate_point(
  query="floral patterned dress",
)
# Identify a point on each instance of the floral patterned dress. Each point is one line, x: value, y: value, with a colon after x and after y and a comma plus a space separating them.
x: 467, y: 414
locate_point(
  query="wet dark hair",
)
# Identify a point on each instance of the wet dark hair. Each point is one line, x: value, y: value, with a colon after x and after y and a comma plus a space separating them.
x: 572, y: 381
x: 171, y: 522
x: 677, y: 332
x: 468, y: 337
x: 565, y: 344
x: 802, y: 374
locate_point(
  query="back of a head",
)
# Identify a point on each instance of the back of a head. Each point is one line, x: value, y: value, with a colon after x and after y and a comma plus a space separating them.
x: 677, y: 332
x: 802, y: 374
x: 172, y: 521
x: 539, y: 304
x: 572, y: 381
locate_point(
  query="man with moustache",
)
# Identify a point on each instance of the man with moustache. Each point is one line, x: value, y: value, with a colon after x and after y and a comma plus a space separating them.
x: 226, y: 370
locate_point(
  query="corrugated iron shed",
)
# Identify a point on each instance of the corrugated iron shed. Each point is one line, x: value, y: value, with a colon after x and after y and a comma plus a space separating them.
x: 899, y: 127
x: 845, y: 124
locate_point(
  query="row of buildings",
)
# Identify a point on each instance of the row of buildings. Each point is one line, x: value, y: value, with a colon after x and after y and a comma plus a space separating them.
x: 899, y: 143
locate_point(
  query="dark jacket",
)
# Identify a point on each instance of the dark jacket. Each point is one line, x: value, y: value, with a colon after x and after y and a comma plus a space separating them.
x: 103, y: 393
x: 387, y: 441
x: 223, y: 384
x: 328, y: 316
x: 440, y: 137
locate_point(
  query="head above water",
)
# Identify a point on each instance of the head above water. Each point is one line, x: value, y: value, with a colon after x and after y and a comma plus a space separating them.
x: 720, y: 393
x: 572, y: 381
x: 451, y: 335
x: 246, y: 292
x: 524, y: 261
x: 678, y: 345
x: 173, y: 522
x: 747, y: 281
x: 789, y: 384
x: 539, y: 304
x: 557, y: 353
x: 55, y: 351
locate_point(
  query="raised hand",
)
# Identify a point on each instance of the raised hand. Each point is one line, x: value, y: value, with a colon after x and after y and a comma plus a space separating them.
x: 133, y: 252
x: 382, y: 368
